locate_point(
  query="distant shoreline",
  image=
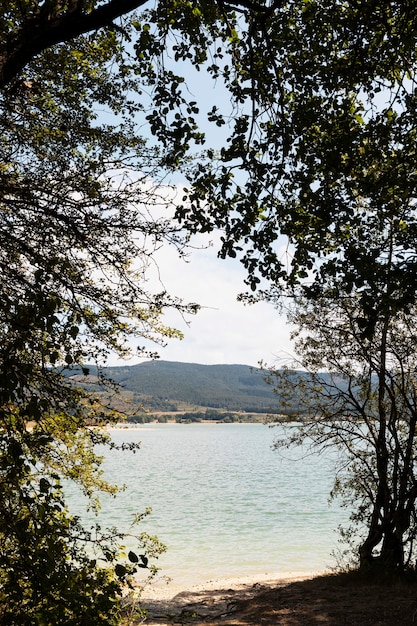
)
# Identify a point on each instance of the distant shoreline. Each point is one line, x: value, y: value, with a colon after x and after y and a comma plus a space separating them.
x: 142, y: 426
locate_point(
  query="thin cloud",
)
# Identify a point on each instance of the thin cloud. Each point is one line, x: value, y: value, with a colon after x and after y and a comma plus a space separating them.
x: 224, y: 330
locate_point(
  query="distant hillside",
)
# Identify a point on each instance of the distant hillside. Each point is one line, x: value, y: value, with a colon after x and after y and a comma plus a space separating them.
x: 165, y: 383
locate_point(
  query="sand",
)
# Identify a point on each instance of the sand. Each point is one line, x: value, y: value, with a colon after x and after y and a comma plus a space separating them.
x: 344, y: 599
x: 167, y: 603
x: 165, y: 589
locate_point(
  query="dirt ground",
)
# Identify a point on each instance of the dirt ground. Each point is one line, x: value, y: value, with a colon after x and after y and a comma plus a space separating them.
x: 330, y: 600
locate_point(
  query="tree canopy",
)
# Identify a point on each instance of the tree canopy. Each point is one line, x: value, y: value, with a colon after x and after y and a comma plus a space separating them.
x: 318, y: 93
x: 315, y: 176
x: 81, y: 212
x: 330, y: 126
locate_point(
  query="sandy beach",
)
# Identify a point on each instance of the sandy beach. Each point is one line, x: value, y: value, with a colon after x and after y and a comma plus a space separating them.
x: 166, y: 603
x: 165, y: 589
x: 344, y: 599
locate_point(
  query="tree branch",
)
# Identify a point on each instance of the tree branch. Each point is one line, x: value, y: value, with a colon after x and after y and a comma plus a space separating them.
x: 47, y: 28
x: 50, y: 25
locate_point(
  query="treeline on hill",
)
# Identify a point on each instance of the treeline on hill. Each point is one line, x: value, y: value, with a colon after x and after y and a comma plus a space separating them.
x: 188, y: 417
x: 163, y: 385
x: 164, y: 391
x: 168, y: 390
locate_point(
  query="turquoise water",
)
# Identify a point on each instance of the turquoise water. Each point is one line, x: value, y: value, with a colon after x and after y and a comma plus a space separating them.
x: 223, y: 501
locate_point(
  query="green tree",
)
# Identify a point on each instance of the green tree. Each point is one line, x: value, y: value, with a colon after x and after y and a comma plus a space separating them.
x: 324, y: 97
x: 358, y: 394
x: 319, y: 149
x: 79, y: 207
x: 309, y: 89
x: 78, y: 200
x: 344, y: 194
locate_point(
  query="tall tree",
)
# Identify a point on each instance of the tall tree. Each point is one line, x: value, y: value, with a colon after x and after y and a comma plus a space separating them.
x: 358, y: 394
x: 81, y: 212
x: 319, y: 146
x: 346, y: 197
x: 78, y: 199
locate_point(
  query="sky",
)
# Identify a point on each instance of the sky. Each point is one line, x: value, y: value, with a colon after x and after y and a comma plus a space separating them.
x: 224, y: 330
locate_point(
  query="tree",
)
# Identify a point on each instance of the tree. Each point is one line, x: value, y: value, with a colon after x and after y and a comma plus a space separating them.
x: 81, y: 212
x: 324, y: 92
x: 301, y: 77
x: 312, y: 154
x: 344, y: 195
x: 358, y: 394
x: 78, y: 199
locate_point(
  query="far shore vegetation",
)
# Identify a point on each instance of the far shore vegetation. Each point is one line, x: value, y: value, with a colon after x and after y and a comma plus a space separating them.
x: 207, y: 416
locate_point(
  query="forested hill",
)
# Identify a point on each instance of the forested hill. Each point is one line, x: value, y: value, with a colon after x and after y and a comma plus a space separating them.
x: 231, y: 387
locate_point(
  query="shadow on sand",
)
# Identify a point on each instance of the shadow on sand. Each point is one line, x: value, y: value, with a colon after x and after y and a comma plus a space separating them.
x: 331, y: 600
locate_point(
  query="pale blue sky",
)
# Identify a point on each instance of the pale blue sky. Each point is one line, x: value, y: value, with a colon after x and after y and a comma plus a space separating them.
x: 224, y: 330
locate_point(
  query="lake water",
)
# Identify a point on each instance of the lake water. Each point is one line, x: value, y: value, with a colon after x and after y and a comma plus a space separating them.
x: 223, y: 501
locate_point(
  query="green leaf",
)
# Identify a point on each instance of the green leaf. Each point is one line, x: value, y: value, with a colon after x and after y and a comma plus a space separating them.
x: 120, y: 570
x: 44, y: 485
x: 133, y: 558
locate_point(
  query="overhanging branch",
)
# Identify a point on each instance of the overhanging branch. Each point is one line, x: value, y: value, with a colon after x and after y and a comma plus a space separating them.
x: 49, y: 25
x: 46, y: 28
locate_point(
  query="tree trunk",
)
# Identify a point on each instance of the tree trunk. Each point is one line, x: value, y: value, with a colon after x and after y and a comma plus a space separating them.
x: 390, y: 558
x: 366, y: 550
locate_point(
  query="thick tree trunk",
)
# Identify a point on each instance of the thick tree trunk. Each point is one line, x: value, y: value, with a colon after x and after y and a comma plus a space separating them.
x: 392, y: 552
x: 390, y: 557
